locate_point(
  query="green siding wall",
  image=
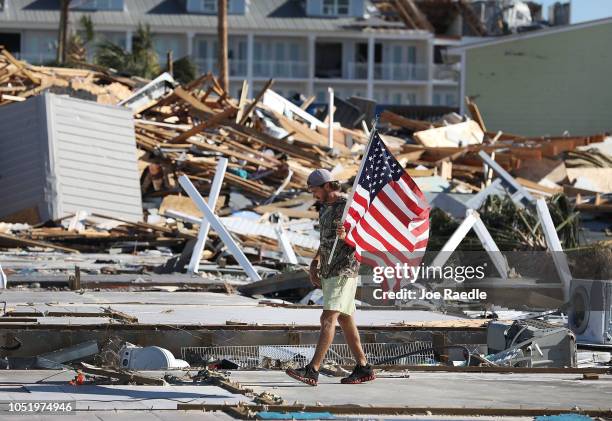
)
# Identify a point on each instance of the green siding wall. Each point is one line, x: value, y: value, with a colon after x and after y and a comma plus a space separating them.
x: 546, y: 84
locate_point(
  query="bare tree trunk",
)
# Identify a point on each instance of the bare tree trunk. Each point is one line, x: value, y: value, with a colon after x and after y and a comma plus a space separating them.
x: 170, y: 61
x: 222, y: 29
x: 62, y: 35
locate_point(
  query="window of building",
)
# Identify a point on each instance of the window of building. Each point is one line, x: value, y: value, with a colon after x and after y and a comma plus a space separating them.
x: 208, y: 6
x: 336, y: 7
x: 98, y: 5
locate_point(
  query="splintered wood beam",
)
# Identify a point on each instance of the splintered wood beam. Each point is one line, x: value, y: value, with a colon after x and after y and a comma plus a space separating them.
x: 408, y: 21
x: 213, y: 121
x: 475, y: 113
x: 18, y: 64
x: 253, y: 104
x: 198, y: 82
x: 243, y: 98
x: 191, y: 100
x: 419, y: 16
x: 34, y: 243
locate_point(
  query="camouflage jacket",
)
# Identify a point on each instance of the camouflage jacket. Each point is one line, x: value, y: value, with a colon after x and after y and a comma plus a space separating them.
x: 344, y: 261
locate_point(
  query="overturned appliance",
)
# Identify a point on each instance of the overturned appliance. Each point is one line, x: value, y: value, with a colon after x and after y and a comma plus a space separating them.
x: 590, y: 311
x: 530, y: 343
x: 134, y: 357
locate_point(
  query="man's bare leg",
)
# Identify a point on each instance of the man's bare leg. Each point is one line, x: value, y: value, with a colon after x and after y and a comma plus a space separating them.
x: 326, y: 337
x: 351, y: 336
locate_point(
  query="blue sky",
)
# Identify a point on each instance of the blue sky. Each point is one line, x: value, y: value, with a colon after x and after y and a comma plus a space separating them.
x: 583, y: 10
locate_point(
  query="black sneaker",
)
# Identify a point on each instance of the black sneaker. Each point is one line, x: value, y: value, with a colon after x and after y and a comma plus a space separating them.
x: 360, y: 374
x: 305, y: 374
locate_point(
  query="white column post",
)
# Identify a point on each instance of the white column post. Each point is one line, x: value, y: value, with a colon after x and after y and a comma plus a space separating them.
x: 429, y: 57
x: 312, y: 45
x: 250, y: 60
x: 370, y: 85
x: 194, y: 263
x: 189, y: 40
x: 462, y: 90
x: 128, y: 41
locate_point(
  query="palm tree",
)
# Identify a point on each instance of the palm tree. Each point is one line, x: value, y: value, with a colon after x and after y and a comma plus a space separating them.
x: 141, y: 61
x: 78, y: 42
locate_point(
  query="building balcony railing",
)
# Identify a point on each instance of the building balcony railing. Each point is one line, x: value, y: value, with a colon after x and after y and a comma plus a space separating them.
x: 281, y: 69
x: 205, y: 65
x: 236, y: 67
x: 447, y: 72
x: 357, y: 70
x: 400, y: 72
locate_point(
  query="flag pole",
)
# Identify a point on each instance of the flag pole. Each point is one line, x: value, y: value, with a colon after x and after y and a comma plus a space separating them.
x: 361, y: 165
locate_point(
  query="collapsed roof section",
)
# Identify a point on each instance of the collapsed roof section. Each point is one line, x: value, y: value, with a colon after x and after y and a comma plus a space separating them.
x: 470, y: 17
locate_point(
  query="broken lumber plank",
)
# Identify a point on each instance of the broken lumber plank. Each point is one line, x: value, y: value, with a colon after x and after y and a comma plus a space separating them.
x: 34, y: 243
x: 243, y: 98
x: 18, y: 64
x: 400, y: 121
x: 297, y: 279
x: 136, y: 224
x: 253, y: 104
x: 191, y: 100
x: 119, y: 315
x: 213, y: 121
x: 291, y: 213
x: 475, y: 113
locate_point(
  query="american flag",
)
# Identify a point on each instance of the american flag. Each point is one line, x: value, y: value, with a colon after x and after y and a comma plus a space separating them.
x: 387, y: 221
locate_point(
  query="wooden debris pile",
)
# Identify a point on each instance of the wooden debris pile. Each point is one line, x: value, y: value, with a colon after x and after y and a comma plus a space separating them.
x: 20, y: 80
x: 187, y: 130
x: 450, y: 147
x: 93, y: 233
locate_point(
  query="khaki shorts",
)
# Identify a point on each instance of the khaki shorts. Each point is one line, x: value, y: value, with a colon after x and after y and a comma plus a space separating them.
x: 339, y: 293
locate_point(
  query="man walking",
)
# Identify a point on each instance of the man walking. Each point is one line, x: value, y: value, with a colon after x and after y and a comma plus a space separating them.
x: 337, y: 279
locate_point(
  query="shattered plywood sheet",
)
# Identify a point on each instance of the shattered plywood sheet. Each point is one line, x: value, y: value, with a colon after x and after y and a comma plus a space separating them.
x: 593, y: 179
x: 454, y: 135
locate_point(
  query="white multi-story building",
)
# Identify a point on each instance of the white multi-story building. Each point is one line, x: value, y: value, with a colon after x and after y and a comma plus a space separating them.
x: 305, y: 45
